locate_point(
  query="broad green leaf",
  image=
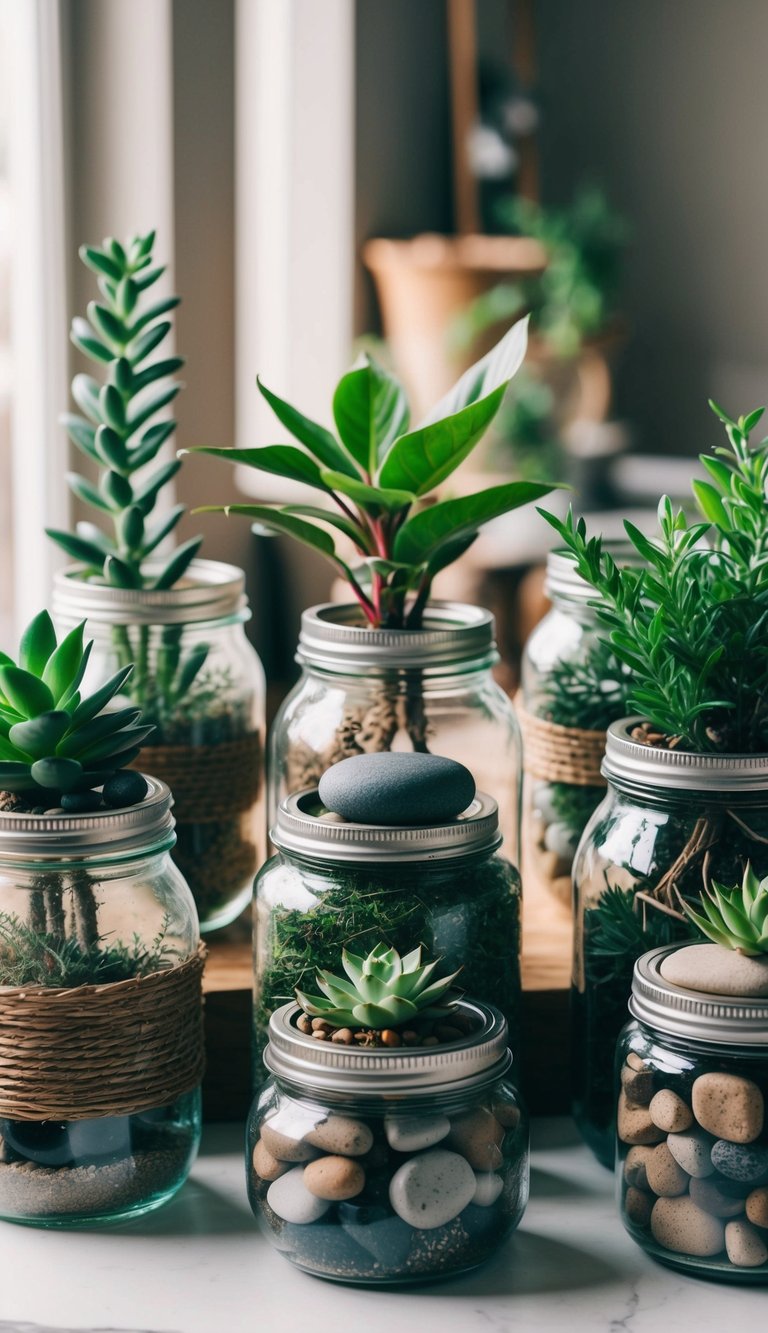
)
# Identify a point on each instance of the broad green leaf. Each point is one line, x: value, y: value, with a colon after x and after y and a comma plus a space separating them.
x: 57, y: 774
x: 285, y: 460
x: 317, y: 439
x: 370, y: 410
x: 710, y: 503
x: 422, y: 459
x: 77, y: 548
x: 24, y: 692
x: 492, y: 372
x: 368, y: 497
x: 61, y: 669
x: 422, y: 535
x: 277, y: 522
x: 14, y: 777
x: 113, y: 747
x: 40, y: 735
x: 343, y: 524
x: 178, y: 564
x: 95, y: 702
x: 37, y: 643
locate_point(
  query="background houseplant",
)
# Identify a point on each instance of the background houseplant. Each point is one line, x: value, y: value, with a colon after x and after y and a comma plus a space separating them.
x: 177, y: 618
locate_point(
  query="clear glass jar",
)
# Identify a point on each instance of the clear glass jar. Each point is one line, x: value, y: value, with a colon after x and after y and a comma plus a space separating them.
x: 386, y: 689
x: 427, y: 1155
x: 694, y: 1194
x: 668, y: 819
x: 445, y: 887
x: 209, y: 739
x: 569, y: 679
x: 100, y: 1015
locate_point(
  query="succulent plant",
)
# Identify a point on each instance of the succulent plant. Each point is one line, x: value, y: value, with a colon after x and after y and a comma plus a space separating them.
x: 380, y: 991
x: 377, y: 481
x: 52, y: 739
x: 735, y: 918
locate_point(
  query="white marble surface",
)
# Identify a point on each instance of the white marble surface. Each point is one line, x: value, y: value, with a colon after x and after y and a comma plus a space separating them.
x: 199, y: 1266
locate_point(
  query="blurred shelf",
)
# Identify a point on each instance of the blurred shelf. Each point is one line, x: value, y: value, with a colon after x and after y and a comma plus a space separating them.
x: 545, y: 1057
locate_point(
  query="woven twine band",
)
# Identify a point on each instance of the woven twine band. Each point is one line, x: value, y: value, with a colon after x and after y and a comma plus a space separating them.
x: 209, y: 782
x: 554, y: 753
x: 76, y: 1054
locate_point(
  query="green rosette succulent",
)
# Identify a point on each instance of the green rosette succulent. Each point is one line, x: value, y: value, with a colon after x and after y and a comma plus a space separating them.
x: 735, y: 918
x: 54, y: 740
x: 380, y: 991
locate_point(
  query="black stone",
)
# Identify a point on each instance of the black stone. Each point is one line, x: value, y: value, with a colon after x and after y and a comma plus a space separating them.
x: 125, y: 789
x: 325, y: 1248
x: 397, y: 789
x: 81, y: 802
x: 68, y: 1143
x: 746, y: 1162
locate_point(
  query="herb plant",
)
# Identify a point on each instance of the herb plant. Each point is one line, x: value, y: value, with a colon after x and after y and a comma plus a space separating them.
x: 689, y: 622
x: 378, y: 481
x: 118, y: 431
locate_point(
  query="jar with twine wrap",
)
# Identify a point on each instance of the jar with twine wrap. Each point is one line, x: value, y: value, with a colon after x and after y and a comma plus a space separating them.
x: 101, y: 1035
x: 572, y: 689
x: 200, y: 682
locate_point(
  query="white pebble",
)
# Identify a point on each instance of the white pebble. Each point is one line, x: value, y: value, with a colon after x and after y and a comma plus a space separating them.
x: 291, y: 1200
x: 692, y: 1151
x: 432, y: 1188
x: 411, y: 1133
x: 488, y: 1188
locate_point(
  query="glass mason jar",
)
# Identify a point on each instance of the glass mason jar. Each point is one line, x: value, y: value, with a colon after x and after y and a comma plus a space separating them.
x: 669, y: 819
x: 423, y: 1158
x: 571, y: 691
x: 694, y: 1194
x: 387, y: 689
x: 200, y: 682
x: 444, y: 887
x: 100, y: 1015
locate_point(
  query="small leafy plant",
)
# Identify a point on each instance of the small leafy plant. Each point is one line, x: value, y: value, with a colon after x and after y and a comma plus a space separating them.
x: 380, y: 991
x: 735, y: 918
x: 378, y: 480
x: 53, y: 740
x: 689, y: 622
x: 118, y: 431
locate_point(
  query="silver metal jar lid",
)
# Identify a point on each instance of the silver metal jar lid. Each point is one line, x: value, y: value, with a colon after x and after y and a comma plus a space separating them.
x: 102, y: 836
x: 454, y: 635
x: 306, y: 828
x: 721, y: 1019
x: 562, y: 579
x: 629, y: 763
x: 479, y: 1058
x: 210, y: 591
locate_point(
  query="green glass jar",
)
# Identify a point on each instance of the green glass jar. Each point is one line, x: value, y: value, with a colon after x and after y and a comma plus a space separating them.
x: 669, y: 819
x: 333, y: 882
x: 692, y: 1136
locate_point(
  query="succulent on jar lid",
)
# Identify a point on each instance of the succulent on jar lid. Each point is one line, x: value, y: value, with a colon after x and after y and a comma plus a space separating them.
x: 381, y: 991
x: 735, y: 962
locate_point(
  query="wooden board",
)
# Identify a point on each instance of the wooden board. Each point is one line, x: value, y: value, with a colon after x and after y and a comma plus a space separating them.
x: 545, y: 1046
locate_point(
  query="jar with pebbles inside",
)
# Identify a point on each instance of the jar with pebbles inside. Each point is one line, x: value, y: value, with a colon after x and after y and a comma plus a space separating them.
x: 374, y: 1166
x: 692, y: 1132
x: 101, y: 1039
x: 199, y: 681
x: 572, y: 688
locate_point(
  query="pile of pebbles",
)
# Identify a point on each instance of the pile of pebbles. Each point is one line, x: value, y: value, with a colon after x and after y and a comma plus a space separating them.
x: 388, y: 1198
x: 451, y: 1027
x: 121, y: 790
x: 695, y: 1177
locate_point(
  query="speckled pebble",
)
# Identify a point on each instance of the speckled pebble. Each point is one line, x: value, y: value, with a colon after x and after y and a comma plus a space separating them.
x: 693, y: 1150
x: 341, y: 1134
x: 728, y: 1106
x: 396, y: 787
x: 678, y: 1225
x: 265, y: 1165
x: 744, y: 1246
x: 708, y: 967
x: 757, y: 1206
x: 634, y: 1124
x: 432, y: 1188
x: 665, y: 1175
x: 291, y: 1200
x: 638, y: 1206
x: 334, y: 1178
x: 127, y: 788
x: 478, y: 1136
x: 635, y: 1166
x: 412, y: 1133
x: 670, y: 1112
x: 741, y: 1162
x: 721, y: 1198
x: 284, y: 1148
x: 488, y: 1188
x: 637, y: 1085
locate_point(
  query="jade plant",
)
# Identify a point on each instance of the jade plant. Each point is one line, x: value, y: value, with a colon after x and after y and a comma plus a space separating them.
x: 735, y: 918
x: 377, y: 479
x: 119, y: 433
x: 63, y: 751
x: 380, y: 991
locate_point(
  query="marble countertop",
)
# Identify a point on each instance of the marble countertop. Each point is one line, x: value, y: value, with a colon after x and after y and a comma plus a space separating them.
x: 199, y: 1266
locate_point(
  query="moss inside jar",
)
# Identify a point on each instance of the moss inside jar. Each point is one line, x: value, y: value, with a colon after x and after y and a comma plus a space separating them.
x: 395, y: 848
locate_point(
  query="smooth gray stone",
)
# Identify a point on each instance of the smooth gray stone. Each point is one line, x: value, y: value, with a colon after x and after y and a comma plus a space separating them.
x: 716, y: 971
x: 396, y: 789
